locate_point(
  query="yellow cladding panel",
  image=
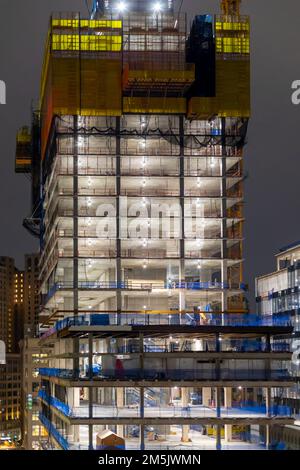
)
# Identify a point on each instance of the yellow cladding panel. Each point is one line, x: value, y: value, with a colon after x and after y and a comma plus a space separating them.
x: 232, y: 37
x: 101, y: 24
x: 154, y: 105
x: 24, y: 136
x: 235, y: 45
x: 233, y: 87
x: 88, y: 86
x: 202, y: 108
x: 92, y: 24
x: 233, y: 92
x: 64, y: 85
x: 232, y: 26
x: 101, y: 87
x: 163, y: 75
x: 76, y: 42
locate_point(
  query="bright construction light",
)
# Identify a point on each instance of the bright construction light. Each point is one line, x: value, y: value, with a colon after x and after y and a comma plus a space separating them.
x: 157, y: 7
x: 121, y: 6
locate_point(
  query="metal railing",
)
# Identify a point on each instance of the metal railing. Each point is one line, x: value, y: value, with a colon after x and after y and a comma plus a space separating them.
x: 177, y: 318
x: 52, y: 430
x: 172, y: 374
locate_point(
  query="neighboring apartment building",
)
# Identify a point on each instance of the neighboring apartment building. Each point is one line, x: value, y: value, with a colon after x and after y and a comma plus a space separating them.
x: 19, y: 305
x: 10, y: 397
x: 278, y: 296
x: 31, y: 294
x: 33, y: 357
x: 11, y: 303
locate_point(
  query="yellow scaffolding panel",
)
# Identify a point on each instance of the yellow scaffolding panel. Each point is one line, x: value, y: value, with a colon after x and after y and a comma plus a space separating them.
x: 101, y: 87
x: 229, y: 45
x: 23, y: 151
x: 146, y: 105
x: 82, y: 70
x: 62, y: 23
x: 77, y: 42
x: 232, y: 93
x: 232, y: 72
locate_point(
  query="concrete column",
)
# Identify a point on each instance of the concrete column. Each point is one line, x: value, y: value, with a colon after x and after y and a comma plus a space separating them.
x: 74, y: 430
x: 228, y: 404
x: 185, y: 403
x: 268, y: 402
x: 206, y: 396
x: 268, y: 412
x: 120, y: 404
x: 268, y: 441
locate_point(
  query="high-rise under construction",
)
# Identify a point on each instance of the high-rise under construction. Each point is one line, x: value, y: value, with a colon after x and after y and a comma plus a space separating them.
x: 137, y: 162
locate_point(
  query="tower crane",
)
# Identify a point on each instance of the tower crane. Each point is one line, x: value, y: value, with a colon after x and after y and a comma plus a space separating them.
x: 231, y: 7
x: 98, y: 8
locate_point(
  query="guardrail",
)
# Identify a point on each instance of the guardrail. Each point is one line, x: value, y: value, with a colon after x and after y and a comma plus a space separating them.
x: 188, y: 319
x: 52, y: 430
x: 97, y: 285
x: 171, y: 411
x: 175, y: 374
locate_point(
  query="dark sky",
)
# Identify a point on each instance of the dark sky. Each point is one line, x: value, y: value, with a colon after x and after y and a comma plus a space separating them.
x: 272, y: 153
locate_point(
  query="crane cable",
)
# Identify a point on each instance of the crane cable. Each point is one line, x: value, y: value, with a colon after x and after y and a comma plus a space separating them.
x: 88, y: 8
x: 179, y: 11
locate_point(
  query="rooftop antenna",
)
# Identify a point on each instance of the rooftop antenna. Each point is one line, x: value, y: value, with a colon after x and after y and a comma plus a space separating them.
x: 231, y: 7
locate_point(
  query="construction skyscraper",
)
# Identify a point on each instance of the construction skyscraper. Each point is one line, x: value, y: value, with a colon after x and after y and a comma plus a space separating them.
x: 140, y: 158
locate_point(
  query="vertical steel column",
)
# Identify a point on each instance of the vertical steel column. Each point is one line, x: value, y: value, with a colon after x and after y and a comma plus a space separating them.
x: 268, y: 402
x: 90, y: 390
x: 224, y: 275
x: 142, y: 394
x: 268, y: 361
x: 217, y: 362
x: 118, y: 222
x: 75, y: 217
x: 182, y: 238
x: 75, y: 241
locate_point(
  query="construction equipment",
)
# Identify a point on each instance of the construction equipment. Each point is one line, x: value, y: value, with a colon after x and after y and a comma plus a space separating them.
x: 231, y: 7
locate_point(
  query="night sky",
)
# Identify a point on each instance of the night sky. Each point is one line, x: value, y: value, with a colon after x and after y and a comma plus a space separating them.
x: 273, y: 149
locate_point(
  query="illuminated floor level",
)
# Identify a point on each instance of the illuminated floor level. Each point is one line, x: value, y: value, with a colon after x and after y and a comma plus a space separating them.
x: 163, y: 411
x: 173, y: 442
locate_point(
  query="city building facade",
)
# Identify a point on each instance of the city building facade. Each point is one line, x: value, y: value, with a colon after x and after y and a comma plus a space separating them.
x: 31, y: 295
x: 10, y: 398
x: 34, y: 435
x: 11, y: 303
x: 19, y: 305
